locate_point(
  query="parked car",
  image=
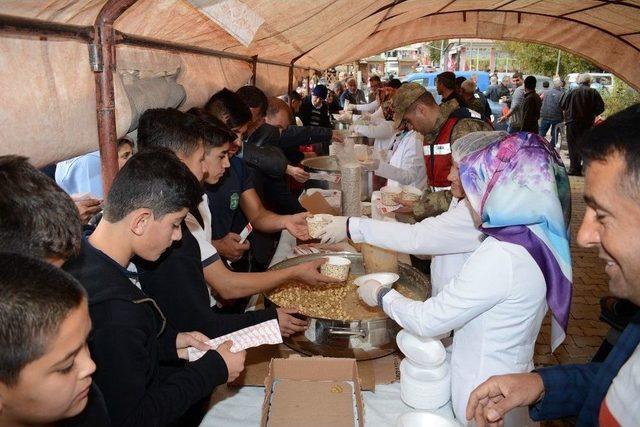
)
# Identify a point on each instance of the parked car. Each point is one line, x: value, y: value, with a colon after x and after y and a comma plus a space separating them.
x: 428, y: 80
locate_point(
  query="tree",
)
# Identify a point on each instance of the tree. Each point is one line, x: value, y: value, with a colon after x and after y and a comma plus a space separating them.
x: 539, y: 59
x: 433, y: 49
x: 621, y: 97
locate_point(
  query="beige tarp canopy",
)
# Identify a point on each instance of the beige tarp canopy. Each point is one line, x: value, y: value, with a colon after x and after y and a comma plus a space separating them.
x: 48, y: 107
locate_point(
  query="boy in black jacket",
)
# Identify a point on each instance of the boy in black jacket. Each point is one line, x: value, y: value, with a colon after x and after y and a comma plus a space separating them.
x: 131, y: 336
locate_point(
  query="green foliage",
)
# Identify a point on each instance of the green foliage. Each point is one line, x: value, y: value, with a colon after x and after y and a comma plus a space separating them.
x: 621, y: 97
x: 539, y: 59
x: 433, y: 49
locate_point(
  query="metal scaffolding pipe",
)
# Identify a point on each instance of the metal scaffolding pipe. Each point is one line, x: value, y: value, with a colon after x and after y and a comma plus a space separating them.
x: 104, y: 64
x: 36, y: 27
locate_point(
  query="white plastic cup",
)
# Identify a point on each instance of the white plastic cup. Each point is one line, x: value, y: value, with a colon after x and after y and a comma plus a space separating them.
x: 336, y: 267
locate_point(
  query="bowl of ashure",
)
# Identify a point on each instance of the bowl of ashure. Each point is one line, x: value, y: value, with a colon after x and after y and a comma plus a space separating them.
x: 340, y: 324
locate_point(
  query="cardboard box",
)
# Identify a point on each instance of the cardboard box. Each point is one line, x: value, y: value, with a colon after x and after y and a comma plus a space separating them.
x: 384, y: 370
x: 312, y: 392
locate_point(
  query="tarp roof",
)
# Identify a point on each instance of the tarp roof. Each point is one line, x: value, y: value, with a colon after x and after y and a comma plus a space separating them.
x: 316, y: 34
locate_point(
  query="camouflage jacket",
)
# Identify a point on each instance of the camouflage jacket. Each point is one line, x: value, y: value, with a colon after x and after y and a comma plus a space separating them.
x: 432, y: 203
x: 463, y: 127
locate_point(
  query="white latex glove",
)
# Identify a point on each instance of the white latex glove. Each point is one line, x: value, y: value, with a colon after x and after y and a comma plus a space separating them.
x: 335, y: 231
x: 381, y: 155
x: 368, y: 292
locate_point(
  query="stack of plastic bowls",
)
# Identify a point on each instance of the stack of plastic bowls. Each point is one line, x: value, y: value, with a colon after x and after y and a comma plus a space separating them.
x: 425, y: 378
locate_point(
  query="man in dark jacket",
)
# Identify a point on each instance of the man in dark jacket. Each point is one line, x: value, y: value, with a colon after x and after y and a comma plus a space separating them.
x: 606, y: 393
x: 581, y: 107
x: 272, y: 188
x: 292, y: 137
x: 314, y: 110
x: 131, y: 336
x: 550, y: 113
x: 530, y: 106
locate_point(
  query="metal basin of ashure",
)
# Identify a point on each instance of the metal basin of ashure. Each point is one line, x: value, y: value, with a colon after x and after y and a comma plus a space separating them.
x: 360, y: 339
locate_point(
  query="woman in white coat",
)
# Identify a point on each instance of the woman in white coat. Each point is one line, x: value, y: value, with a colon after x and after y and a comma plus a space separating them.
x: 449, y: 238
x: 519, y: 191
x: 405, y: 164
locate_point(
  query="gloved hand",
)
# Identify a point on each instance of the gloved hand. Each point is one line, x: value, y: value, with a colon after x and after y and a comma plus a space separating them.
x: 381, y: 155
x: 368, y: 292
x: 349, y: 106
x: 335, y: 231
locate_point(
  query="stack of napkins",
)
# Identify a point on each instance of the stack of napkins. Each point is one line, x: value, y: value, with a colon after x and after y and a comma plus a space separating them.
x: 263, y: 333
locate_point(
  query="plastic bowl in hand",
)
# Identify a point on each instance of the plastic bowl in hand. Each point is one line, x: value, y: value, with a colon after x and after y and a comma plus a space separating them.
x: 336, y: 267
x: 422, y: 351
x: 387, y: 279
x: 317, y: 223
x: 410, y: 194
x: 390, y: 195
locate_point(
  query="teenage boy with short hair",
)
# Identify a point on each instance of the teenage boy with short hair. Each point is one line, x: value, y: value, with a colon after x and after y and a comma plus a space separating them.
x: 131, y: 337
x: 45, y: 366
x: 228, y: 284
x: 37, y: 218
x: 235, y: 198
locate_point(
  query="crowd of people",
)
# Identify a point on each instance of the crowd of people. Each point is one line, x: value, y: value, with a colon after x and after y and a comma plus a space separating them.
x: 102, y: 294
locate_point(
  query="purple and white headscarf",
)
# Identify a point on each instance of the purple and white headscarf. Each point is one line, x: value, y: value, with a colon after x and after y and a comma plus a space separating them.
x: 519, y: 187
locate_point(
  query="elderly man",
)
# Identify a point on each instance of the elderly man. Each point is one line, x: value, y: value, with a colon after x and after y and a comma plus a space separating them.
x: 581, y: 107
x: 606, y: 393
x: 352, y: 94
x: 551, y: 114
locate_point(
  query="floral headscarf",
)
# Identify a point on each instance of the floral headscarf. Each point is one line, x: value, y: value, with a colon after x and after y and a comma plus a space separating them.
x: 385, y: 95
x: 520, y: 189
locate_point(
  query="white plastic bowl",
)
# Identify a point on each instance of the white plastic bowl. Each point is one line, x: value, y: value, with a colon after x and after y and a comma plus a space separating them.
x: 421, y: 394
x: 425, y: 374
x: 425, y: 419
x: 387, y: 279
x: 422, y: 351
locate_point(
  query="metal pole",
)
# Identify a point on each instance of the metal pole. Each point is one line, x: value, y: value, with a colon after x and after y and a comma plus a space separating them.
x: 104, y: 64
x: 254, y: 69
x: 558, y: 63
x: 290, y: 79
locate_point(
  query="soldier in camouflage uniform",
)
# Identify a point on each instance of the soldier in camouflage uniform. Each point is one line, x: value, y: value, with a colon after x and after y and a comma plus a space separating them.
x: 414, y: 104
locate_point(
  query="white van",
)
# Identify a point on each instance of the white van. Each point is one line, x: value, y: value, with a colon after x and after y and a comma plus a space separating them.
x: 598, y: 81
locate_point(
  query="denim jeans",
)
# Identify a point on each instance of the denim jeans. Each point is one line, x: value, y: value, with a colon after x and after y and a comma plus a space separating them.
x: 545, y: 124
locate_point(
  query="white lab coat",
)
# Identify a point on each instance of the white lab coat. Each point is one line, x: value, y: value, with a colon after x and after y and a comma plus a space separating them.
x: 406, y: 165
x: 450, y: 238
x: 495, y: 307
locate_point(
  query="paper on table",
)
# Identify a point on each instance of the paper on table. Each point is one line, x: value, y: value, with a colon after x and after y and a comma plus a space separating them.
x: 263, y: 333
x: 324, y: 176
x: 385, y: 209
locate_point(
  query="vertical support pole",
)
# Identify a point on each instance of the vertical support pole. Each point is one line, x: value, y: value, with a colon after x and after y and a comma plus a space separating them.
x: 254, y: 69
x: 104, y: 66
x: 290, y: 79
x: 308, y: 81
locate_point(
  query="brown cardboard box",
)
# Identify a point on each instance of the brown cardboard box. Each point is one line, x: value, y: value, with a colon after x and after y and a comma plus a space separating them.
x: 384, y: 370
x: 316, y: 204
x: 312, y: 392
